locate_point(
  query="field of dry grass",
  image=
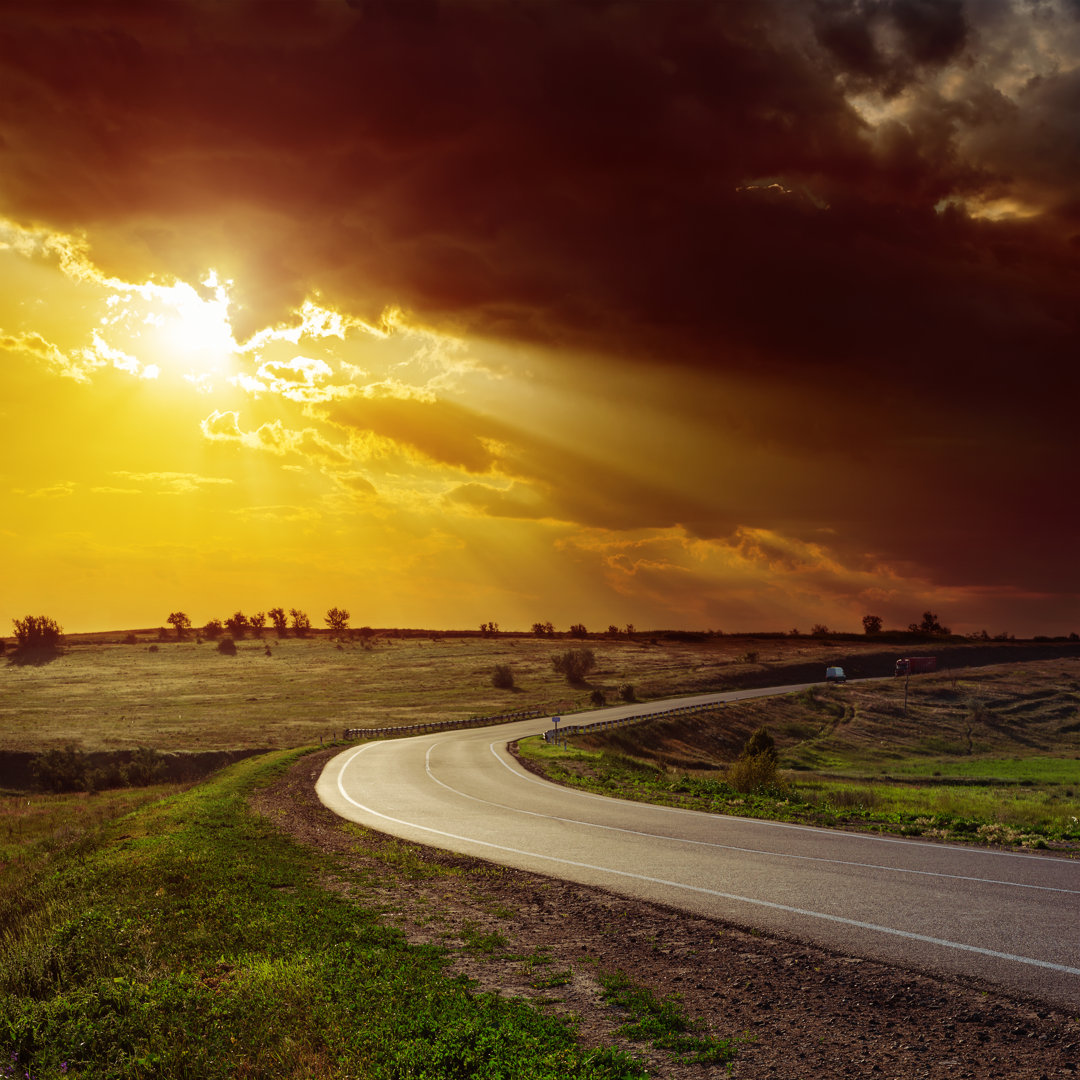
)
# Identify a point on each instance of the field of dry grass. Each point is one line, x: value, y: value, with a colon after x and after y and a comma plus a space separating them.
x: 186, y: 696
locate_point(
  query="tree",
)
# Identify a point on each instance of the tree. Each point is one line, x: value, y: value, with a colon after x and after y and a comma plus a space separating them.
x: 575, y: 664
x: 179, y: 621
x: 929, y: 625
x: 213, y: 630
x: 301, y: 624
x: 871, y: 624
x: 37, y: 634
x: 257, y: 622
x: 629, y: 629
x: 280, y: 621
x: 819, y: 630
x: 612, y: 630
x: 338, y: 621
x: 578, y: 631
x: 543, y: 629
x: 236, y: 624
x: 489, y: 629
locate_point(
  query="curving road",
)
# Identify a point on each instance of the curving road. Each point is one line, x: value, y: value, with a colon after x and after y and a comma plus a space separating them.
x: 1011, y: 919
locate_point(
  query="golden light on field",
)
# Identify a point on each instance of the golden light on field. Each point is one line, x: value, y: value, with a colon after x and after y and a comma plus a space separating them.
x: 453, y: 340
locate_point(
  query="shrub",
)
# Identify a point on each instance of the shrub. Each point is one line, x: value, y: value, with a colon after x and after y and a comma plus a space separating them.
x: 755, y: 771
x: 131, y: 639
x: 227, y: 646
x: 626, y: 692
x: 761, y: 742
x: 755, y: 775
x: 598, y: 698
x: 145, y: 768
x: 60, y: 770
x: 37, y: 633
x: 502, y: 678
x: 575, y: 664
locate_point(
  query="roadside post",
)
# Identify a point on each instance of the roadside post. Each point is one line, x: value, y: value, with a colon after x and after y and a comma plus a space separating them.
x: 555, y: 720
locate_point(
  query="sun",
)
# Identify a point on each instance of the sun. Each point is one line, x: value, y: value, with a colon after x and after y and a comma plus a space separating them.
x: 188, y: 330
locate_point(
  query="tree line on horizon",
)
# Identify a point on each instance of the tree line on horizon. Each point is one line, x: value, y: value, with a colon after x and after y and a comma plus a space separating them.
x: 238, y: 625
x: 38, y: 636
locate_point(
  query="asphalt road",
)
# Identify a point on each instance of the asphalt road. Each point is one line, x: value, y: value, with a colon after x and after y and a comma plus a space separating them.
x: 1010, y: 919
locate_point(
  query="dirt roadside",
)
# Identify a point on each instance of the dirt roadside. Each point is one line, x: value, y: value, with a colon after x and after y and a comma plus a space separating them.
x: 803, y: 1012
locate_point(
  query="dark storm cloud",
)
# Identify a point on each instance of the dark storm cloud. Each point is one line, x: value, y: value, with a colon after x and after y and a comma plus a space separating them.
x: 684, y: 184
x: 883, y: 43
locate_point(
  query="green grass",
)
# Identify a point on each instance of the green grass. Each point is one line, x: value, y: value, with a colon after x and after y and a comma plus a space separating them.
x: 33, y: 824
x: 1030, y: 770
x: 663, y: 1023
x: 190, y: 938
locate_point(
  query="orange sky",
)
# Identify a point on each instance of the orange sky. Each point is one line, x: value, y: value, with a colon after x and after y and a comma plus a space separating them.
x: 691, y: 315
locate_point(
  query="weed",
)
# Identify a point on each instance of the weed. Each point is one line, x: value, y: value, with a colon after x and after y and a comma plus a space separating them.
x: 475, y: 940
x: 663, y: 1023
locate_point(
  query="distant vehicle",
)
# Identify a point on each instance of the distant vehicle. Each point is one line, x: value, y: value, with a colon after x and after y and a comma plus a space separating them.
x: 915, y: 664
x: 835, y: 674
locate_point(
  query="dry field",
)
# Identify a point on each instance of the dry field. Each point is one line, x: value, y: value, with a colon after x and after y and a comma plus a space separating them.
x: 183, y: 696
x: 187, y: 696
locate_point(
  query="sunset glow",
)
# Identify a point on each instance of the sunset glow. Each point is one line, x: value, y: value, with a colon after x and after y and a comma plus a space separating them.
x: 437, y: 331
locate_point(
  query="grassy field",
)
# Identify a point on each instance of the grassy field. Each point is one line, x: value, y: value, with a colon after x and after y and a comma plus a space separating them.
x: 992, y: 755
x: 183, y: 696
x: 190, y: 938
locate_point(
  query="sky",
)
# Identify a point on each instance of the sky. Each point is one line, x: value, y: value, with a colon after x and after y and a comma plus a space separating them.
x: 740, y: 316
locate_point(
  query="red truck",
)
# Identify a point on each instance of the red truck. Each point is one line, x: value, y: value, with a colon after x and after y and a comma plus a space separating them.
x: 914, y: 664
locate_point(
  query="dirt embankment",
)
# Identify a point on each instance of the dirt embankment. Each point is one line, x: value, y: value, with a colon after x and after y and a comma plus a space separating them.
x: 802, y: 1011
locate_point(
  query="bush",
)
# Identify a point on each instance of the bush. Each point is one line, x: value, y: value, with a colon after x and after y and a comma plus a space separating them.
x: 755, y: 772
x: 761, y: 742
x: 145, y: 768
x: 60, y: 770
x: 755, y: 775
x: 575, y: 664
x: 37, y: 633
x: 598, y: 698
x: 626, y: 692
x: 502, y: 678
x: 227, y: 646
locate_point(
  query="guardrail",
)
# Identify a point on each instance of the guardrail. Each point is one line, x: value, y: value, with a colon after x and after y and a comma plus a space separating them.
x: 454, y: 725
x: 624, y: 721
x: 560, y: 709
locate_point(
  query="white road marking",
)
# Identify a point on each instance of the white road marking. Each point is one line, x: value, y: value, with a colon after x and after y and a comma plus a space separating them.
x: 906, y: 934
